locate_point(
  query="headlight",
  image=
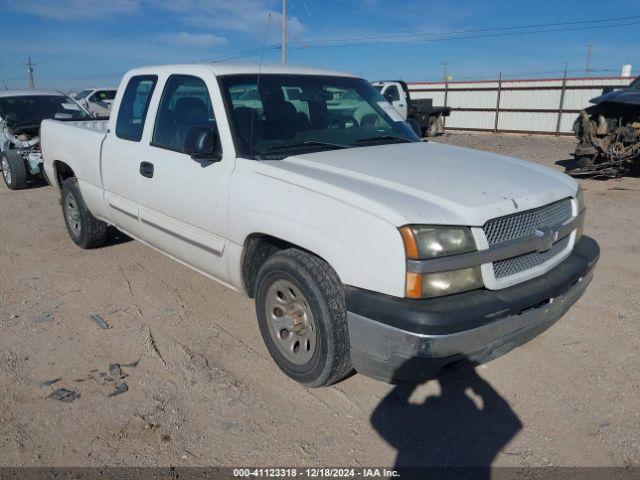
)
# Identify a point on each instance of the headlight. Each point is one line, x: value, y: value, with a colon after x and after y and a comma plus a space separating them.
x: 423, y: 242
x: 443, y: 283
x: 580, y: 199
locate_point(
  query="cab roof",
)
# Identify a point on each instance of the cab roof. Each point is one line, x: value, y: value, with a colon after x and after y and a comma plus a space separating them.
x: 236, y: 69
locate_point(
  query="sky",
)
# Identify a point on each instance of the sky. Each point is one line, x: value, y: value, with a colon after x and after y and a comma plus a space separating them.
x: 92, y: 43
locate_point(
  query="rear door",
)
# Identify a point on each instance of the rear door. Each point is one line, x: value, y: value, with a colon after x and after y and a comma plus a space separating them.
x: 122, y: 152
x: 183, y: 204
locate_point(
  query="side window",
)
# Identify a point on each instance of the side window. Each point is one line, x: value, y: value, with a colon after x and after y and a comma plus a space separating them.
x: 185, y: 104
x: 134, y: 106
x: 392, y: 94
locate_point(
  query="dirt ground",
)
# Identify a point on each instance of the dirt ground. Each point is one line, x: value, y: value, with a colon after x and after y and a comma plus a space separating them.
x: 205, y: 392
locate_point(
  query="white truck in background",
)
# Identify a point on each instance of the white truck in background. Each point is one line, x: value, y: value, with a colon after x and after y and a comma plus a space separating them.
x: 424, y: 118
x: 363, y: 247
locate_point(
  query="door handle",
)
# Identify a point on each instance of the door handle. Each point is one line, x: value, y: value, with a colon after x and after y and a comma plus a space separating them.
x: 146, y: 169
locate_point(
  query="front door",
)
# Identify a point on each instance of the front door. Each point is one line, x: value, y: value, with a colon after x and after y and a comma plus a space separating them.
x: 395, y: 95
x: 183, y: 203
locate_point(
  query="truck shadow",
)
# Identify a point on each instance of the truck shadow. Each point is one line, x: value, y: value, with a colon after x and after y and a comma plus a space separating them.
x: 115, y: 237
x: 567, y: 163
x: 449, y: 430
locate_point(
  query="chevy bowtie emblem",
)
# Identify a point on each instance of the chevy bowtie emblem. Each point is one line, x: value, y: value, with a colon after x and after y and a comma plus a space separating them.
x: 549, y: 237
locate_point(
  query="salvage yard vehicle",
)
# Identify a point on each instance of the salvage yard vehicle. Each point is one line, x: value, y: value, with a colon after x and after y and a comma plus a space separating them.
x: 363, y: 247
x: 421, y: 114
x: 21, y: 112
x: 98, y: 101
x: 609, y: 135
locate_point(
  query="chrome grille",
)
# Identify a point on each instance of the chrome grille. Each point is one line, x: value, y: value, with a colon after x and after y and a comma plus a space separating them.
x: 524, y: 224
x: 504, y: 268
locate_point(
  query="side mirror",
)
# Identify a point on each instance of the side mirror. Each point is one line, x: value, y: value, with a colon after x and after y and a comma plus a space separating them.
x: 203, y: 145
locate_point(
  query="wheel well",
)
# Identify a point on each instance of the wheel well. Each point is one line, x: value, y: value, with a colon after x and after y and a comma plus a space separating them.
x: 62, y: 172
x: 257, y: 249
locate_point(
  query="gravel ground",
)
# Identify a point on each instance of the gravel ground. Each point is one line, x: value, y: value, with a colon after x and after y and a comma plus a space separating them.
x: 204, y: 391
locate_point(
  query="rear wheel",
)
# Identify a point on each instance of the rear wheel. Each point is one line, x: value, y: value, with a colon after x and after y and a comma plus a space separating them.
x: 302, y: 316
x: 14, y: 172
x: 85, y: 230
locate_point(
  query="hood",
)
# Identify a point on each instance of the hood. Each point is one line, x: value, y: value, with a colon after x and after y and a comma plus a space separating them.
x: 625, y: 96
x: 424, y: 182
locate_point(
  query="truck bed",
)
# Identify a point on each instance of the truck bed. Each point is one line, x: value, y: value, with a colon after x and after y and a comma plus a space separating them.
x: 94, y: 125
x: 77, y: 144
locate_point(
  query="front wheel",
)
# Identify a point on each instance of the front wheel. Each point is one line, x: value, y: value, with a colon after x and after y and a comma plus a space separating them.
x: 85, y: 230
x: 14, y: 172
x: 302, y: 315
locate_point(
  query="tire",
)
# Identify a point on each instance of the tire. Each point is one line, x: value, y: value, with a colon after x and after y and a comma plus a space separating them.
x: 85, y: 230
x: 293, y: 280
x: 14, y: 172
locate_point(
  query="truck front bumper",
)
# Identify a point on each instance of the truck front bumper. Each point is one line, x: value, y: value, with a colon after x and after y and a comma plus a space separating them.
x: 402, y: 339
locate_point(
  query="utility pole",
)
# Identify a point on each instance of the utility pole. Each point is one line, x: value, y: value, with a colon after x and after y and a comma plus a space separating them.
x: 589, y: 50
x: 30, y: 66
x: 284, y: 32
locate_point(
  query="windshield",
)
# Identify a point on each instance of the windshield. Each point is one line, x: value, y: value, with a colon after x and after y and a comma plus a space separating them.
x: 281, y: 115
x: 83, y: 94
x: 31, y: 110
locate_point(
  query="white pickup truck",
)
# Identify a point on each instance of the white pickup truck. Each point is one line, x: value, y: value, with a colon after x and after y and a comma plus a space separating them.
x: 363, y: 247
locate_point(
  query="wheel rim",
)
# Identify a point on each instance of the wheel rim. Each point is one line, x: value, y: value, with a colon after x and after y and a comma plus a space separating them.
x: 291, y: 324
x: 72, y: 215
x: 6, y: 171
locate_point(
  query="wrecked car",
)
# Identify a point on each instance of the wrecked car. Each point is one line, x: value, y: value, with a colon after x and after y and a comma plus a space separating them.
x: 609, y: 135
x: 21, y: 112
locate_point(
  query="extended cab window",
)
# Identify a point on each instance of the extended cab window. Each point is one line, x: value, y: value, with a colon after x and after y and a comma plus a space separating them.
x: 185, y: 104
x: 134, y: 106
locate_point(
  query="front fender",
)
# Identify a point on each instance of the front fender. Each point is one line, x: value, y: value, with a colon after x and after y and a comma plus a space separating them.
x: 364, y: 250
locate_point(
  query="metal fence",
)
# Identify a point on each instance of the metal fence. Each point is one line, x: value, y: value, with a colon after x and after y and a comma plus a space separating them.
x: 547, y: 106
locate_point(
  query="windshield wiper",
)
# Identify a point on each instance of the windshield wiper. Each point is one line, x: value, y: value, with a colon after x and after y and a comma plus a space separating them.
x: 383, y: 138
x: 310, y: 143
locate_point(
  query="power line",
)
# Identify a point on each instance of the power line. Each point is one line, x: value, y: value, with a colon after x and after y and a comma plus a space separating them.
x: 364, y: 13
x: 481, y: 30
x: 447, y: 37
